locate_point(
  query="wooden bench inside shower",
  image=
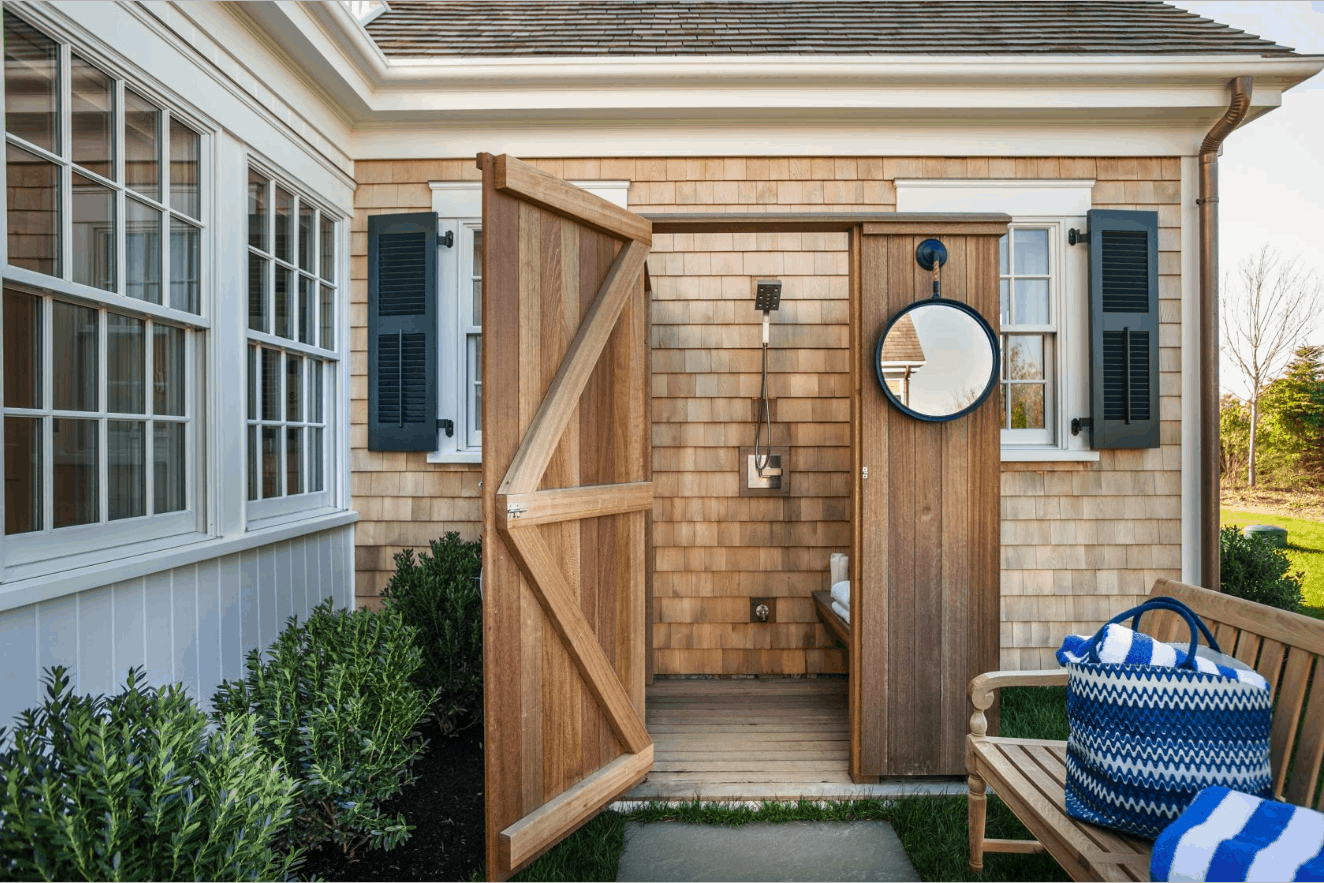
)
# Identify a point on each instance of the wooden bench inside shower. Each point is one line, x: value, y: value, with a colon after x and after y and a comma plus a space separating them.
x: 1028, y: 774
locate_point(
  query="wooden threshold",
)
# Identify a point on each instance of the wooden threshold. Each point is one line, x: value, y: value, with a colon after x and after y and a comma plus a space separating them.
x: 754, y: 739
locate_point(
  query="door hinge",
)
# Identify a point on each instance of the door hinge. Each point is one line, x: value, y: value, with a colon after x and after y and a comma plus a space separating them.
x: 514, y: 511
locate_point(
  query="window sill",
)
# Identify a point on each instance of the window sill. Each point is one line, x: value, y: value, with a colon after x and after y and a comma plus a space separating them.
x: 455, y: 457
x: 1047, y: 455
x: 190, y: 550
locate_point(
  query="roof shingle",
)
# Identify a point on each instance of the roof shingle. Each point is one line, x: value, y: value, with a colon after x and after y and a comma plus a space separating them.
x: 522, y: 28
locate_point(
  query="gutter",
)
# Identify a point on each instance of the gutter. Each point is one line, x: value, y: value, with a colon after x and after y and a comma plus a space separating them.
x: 1242, y: 87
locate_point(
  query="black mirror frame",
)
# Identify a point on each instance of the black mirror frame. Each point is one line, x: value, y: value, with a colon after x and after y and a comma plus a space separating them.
x: 993, y: 378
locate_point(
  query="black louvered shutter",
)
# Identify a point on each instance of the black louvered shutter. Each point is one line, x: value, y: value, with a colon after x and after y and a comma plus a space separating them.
x: 402, y: 332
x: 1124, y: 329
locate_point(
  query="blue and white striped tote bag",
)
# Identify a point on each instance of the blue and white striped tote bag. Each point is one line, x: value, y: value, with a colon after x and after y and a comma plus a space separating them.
x: 1146, y: 738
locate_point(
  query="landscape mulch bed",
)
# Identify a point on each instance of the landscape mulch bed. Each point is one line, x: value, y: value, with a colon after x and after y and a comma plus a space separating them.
x: 445, y: 807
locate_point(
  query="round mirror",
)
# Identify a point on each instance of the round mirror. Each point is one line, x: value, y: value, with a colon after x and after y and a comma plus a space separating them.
x: 937, y: 359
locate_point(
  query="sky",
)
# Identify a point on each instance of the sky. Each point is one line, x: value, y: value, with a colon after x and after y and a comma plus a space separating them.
x: 1271, y: 174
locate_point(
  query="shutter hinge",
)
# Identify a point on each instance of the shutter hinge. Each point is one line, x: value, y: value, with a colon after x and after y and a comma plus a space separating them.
x: 1079, y: 423
x: 447, y: 426
x: 447, y: 239
x: 1078, y: 237
x: 514, y: 511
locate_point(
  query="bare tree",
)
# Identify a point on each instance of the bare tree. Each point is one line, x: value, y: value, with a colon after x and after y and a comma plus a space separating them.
x: 1273, y: 305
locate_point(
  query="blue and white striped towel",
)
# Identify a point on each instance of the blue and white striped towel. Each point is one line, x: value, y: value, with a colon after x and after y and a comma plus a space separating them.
x: 1227, y: 835
x: 1122, y: 645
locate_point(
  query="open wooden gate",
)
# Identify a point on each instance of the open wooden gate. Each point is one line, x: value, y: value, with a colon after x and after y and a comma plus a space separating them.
x: 567, y: 492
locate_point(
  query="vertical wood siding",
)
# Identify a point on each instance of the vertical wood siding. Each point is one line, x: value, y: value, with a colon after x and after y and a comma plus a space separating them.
x: 192, y: 624
x: 1079, y: 541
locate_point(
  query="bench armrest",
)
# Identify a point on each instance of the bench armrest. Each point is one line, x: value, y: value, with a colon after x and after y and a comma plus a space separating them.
x: 983, y: 687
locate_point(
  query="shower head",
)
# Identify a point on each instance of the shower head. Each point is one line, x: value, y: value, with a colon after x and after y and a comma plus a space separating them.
x: 767, y: 295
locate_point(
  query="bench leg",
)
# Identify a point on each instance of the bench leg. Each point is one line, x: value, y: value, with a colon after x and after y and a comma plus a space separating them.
x: 978, y: 810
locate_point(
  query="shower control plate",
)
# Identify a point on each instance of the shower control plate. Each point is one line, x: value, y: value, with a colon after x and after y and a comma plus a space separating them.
x: 772, y: 471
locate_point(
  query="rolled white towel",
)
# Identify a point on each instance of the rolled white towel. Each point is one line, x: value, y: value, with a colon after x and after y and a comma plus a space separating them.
x: 841, y: 593
x: 838, y: 567
x: 841, y: 611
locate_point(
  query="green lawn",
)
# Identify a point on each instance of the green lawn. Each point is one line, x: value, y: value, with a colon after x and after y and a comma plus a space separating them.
x: 1305, y: 547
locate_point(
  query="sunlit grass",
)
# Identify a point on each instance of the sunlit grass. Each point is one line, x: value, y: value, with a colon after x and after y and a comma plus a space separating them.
x: 1305, y: 547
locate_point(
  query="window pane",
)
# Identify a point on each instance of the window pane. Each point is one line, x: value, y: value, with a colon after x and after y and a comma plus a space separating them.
x: 1004, y: 301
x: 293, y: 388
x: 328, y: 240
x: 254, y: 464
x: 126, y: 479
x: 22, y: 474
x: 1002, y: 405
x: 32, y: 187
x: 185, y: 265
x: 22, y: 355
x: 270, y: 461
x: 477, y: 310
x: 1025, y: 357
x: 327, y: 313
x: 307, y: 308
x: 126, y: 351
x: 283, y: 283
x: 142, y: 145
x: 1030, y: 302
x: 293, y: 446
x: 168, y: 491
x: 168, y: 370
x: 284, y: 219
x: 185, y: 162
x: 257, y: 210
x: 1004, y: 265
x: 252, y: 383
x: 270, y: 384
x: 476, y: 375
x: 315, y: 369
x: 74, y: 452
x: 32, y: 64
x: 142, y: 251
x: 315, y: 478
x: 94, y: 233
x: 1031, y: 249
x: 92, y: 109
x: 257, y: 293
x: 74, y: 361
x: 306, y: 238
x: 1027, y: 405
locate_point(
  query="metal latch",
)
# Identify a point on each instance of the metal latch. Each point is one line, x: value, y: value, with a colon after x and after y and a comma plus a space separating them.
x: 866, y: 471
x: 514, y: 511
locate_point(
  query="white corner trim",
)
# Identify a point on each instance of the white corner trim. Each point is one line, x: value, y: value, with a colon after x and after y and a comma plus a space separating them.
x: 1014, y: 196
x: 1190, y: 374
x: 30, y: 591
x: 1047, y: 455
x: 455, y: 457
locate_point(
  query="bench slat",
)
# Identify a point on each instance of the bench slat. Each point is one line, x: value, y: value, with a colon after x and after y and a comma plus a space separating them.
x: 1305, y: 762
x: 1287, y: 714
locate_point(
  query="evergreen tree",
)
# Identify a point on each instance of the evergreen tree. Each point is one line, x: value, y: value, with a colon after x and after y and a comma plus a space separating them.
x: 1295, y: 405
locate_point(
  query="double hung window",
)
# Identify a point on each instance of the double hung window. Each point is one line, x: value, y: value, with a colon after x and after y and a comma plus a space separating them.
x: 101, y: 323
x: 292, y: 348
x: 1028, y: 280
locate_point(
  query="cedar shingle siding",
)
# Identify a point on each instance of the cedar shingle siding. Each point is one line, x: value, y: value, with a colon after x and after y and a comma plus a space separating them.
x: 1080, y: 541
x: 492, y: 28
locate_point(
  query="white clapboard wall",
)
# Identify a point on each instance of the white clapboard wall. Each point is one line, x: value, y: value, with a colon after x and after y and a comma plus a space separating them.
x: 193, y: 624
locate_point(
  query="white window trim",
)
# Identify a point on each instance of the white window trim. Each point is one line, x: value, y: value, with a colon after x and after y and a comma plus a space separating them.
x: 40, y: 554
x: 459, y: 209
x: 1059, y: 204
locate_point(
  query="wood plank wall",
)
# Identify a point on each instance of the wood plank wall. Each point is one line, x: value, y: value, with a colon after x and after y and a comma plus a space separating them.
x: 1079, y: 541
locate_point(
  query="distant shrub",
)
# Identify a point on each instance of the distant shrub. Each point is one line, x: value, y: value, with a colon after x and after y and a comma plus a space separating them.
x: 335, y: 701
x: 439, y: 594
x: 1251, y: 568
x: 131, y: 787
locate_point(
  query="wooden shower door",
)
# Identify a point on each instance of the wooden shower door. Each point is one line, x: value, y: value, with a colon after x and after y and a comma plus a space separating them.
x: 567, y: 493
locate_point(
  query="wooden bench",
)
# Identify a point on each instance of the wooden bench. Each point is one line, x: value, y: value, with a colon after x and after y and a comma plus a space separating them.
x: 1028, y: 774
x: 838, y: 627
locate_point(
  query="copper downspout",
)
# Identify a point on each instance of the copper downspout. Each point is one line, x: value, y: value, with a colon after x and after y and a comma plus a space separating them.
x: 1209, y: 348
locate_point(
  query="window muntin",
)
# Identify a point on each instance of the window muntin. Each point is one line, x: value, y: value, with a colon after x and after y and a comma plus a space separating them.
x: 101, y: 391
x: 1028, y: 278
x: 292, y: 357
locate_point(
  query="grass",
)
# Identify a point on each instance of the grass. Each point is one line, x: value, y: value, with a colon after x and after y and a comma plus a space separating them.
x: 932, y: 829
x: 1305, y: 548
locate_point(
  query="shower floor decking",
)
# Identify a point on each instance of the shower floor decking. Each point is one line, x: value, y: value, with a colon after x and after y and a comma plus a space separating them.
x: 757, y: 739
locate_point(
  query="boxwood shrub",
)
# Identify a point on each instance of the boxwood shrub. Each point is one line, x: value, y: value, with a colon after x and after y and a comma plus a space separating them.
x: 132, y: 787
x: 1252, y: 568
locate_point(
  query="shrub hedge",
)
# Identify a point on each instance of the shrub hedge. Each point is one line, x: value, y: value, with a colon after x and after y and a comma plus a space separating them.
x: 1251, y: 568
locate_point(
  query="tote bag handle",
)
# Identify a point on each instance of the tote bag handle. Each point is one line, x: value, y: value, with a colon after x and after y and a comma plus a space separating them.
x: 1162, y: 603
